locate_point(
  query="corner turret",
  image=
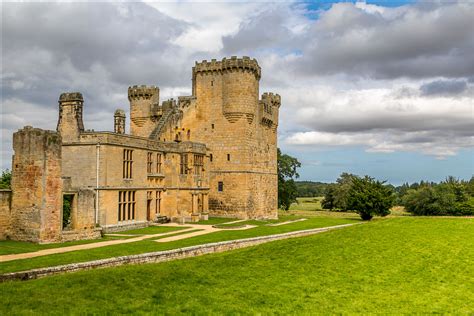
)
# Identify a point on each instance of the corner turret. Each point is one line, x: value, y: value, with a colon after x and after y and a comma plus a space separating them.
x: 143, y: 99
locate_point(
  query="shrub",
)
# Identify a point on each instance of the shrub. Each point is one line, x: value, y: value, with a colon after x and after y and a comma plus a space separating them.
x: 369, y: 197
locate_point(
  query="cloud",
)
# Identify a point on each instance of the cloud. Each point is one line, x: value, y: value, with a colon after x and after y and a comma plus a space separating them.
x: 372, y: 118
x: 444, y: 87
x: 411, y: 41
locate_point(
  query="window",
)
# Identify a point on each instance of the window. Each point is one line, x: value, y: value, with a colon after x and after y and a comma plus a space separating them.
x: 220, y: 186
x: 127, y: 163
x: 210, y: 157
x: 184, y: 164
x: 212, y: 83
x: 228, y: 157
x: 149, y: 164
x: 158, y: 163
x: 158, y: 202
x: 198, y: 163
x: 212, y: 126
x: 126, y: 206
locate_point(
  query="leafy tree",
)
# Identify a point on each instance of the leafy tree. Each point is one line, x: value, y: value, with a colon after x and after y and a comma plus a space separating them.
x: 449, y: 197
x: 343, y: 185
x: 329, y: 200
x: 5, y: 180
x: 369, y: 197
x: 287, y: 191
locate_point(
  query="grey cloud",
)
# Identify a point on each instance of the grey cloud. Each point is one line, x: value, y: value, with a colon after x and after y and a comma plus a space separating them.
x: 98, y: 49
x: 443, y: 87
x: 266, y: 31
x: 416, y: 41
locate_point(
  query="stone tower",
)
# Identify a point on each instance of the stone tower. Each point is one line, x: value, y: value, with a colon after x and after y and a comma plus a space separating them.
x: 37, y: 186
x: 119, y: 122
x: 143, y: 100
x: 240, y: 131
x: 70, y: 123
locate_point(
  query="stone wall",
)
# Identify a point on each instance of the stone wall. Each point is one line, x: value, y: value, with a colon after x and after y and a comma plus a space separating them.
x: 37, y: 186
x: 5, y: 212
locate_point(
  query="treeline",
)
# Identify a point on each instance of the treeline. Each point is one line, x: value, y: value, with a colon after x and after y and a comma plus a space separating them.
x: 449, y: 197
x: 310, y: 188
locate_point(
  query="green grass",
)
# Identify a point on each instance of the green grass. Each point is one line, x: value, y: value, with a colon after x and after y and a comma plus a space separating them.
x: 12, y: 247
x: 149, y: 245
x: 307, y: 204
x: 404, y: 265
x: 150, y: 230
x: 215, y: 221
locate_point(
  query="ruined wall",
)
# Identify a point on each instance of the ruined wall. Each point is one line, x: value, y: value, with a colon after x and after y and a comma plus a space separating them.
x: 5, y: 212
x: 36, y: 186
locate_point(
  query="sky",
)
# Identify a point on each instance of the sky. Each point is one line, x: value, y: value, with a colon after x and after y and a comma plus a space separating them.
x: 379, y: 88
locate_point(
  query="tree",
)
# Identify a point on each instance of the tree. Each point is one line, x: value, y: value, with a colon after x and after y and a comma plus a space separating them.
x: 329, y: 200
x: 344, y: 184
x: 287, y: 191
x: 369, y: 197
x: 5, y: 180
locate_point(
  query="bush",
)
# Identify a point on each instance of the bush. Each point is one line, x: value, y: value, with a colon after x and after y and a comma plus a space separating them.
x: 447, y: 198
x: 369, y: 197
x: 5, y: 179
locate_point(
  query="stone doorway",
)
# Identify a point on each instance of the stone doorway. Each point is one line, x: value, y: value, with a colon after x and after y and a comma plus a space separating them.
x: 68, y: 205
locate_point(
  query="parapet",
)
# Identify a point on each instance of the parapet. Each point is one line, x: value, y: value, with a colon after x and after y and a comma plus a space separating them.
x: 142, y: 92
x: 271, y: 99
x: 71, y: 97
x: 228, y: 64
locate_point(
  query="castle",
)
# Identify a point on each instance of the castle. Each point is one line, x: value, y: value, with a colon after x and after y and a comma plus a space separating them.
x: 214, y: 152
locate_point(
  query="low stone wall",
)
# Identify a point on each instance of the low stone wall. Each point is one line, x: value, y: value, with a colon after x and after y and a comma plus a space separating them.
x: 73, y: 235
x: 162, y: 256
x: 5, y: 212
x: 122, y: 227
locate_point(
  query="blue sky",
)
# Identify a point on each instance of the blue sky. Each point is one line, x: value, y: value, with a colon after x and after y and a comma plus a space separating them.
x: 383, y: 88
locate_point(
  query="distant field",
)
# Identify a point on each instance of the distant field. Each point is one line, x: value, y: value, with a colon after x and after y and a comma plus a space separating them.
x: 314, y: 204
x: 308, y: 204
x: 400, y: 265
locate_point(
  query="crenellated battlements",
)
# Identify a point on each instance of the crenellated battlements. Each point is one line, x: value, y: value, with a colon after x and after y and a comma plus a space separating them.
x: 228, y: 64
x: 71, y: 97
x: 142, y: 92
x: 271, y: 99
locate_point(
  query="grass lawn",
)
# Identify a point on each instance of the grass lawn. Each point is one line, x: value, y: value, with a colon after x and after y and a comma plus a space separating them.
x: 396, y: 265
x: 11, y: 247
x: 308, y: 204
x: 215, y: 221
x: 149, y: 245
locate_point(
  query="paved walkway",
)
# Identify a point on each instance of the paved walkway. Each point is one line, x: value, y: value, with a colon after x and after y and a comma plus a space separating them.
x: 99, y: 244
x: 203, y: 229
x: 287, y: 222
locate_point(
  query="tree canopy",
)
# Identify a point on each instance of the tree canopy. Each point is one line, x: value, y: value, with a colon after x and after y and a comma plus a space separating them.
x: 287, y: 172
x: 369, y: 197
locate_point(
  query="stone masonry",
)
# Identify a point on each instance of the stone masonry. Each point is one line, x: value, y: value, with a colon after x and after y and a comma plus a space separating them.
x: 212, y: 152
